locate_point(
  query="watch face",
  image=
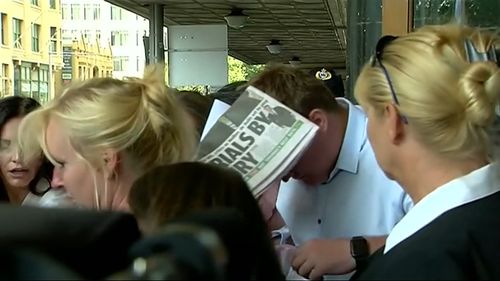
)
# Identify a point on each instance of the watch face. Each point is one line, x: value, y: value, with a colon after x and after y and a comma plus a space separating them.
x: 359, y: 247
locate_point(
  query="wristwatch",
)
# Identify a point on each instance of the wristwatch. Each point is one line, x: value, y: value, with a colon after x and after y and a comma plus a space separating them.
x: 359, y: 250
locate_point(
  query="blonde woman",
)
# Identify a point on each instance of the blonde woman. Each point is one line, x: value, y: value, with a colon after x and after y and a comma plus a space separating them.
x: 430, y: 98
x: 102, y: 134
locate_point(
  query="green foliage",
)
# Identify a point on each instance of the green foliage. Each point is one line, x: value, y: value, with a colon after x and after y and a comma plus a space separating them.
x: 195, y: 88
x: 237, y: 71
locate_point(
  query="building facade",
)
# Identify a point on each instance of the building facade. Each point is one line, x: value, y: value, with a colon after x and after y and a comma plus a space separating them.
x: 97, y: 20
x: 83, y: 60
x: 30, y: 47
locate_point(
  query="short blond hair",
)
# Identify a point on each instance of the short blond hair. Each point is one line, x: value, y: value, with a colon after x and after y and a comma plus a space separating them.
x: 295, y: 88
x: 140, y: 117
x: 449, y: 102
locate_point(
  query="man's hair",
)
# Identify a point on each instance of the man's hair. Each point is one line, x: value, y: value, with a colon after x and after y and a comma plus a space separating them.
x: 197, y: 105
x: 295, y: 88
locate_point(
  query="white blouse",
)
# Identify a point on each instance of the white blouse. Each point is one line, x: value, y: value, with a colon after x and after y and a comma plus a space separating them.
x: 51, y: 198
x: 476, y: 185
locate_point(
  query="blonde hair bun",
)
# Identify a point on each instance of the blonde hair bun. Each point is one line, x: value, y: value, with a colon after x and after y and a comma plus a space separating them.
x: 480, y: 87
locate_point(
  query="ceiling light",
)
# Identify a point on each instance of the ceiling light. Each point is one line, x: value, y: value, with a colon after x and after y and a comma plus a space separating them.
x: 274, y: 47
x: 295, y: 61
x: 236, y: 19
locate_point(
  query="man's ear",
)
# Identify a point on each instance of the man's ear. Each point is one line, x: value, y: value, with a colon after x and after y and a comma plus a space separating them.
x: 111, y: 160
x: 396, y: 126
x: 320, y: 118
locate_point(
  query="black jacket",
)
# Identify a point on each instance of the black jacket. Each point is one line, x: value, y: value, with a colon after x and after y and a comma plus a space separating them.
x: 461, y: 244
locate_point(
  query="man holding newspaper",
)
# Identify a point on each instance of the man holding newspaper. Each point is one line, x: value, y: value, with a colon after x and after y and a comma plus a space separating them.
x: 336, y: 202
x: 257, y: 137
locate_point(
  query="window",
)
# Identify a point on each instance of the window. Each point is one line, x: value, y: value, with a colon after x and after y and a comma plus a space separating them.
x: 25, y: 73
x: 52, y: 4
x: 97, y: 35
x: 65, y: 12
x: 35, y: 78
x: 119, y: 38
x: 3, y: 29
x: 97, y: 11
x: 34, y: 2
x: 116, y: 13
x: 35, y: 37
x: 123, y: 38
x: 66, y: 34
x: 25, y: 80
x: 75, y: 11
x: 117, y: 64
x: 4, y: 75
x: 477, y: 12
x: 87, y: 34
x: 33, y: 81
x: 44, y: 75
x: 87, y: 12
x: 44, y: 86
x: 53, y: 39
x: 120, y: 63
x: 16, y: 28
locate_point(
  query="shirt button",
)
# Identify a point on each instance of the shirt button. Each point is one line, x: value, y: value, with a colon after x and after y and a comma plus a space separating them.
x: 319, y: 221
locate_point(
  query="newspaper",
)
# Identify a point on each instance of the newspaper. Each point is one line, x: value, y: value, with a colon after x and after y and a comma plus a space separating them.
x: 218, y: 108
x: 259, y: 137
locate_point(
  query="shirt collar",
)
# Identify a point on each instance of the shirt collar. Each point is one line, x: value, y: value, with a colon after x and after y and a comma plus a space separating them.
x: 354, y: 139
x: 473, y: 186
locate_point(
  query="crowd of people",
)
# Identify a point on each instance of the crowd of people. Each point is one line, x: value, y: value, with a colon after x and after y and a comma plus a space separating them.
x: 403, y: 185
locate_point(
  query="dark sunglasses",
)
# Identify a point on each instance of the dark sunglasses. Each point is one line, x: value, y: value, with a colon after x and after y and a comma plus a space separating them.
x: 377, y: 58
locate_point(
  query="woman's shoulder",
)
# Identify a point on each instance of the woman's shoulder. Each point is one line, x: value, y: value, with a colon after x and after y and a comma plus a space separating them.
x: 31, y: 200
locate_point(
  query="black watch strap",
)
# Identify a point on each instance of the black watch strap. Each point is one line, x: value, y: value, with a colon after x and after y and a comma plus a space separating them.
x: 359, y: 250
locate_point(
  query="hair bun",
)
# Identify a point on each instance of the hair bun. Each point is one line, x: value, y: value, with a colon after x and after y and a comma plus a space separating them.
x: 480, y: 88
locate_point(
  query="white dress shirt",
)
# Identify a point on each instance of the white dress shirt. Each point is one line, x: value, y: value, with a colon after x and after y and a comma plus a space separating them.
x: 473, y: 186
x: 357, y: 200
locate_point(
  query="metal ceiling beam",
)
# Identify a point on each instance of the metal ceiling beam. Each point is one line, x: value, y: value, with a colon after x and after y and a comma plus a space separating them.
x: 335, y: 10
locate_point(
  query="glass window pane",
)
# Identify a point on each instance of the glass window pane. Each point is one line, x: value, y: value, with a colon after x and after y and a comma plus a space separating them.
x: 35, y: 37
x: 16, y: 23
x: 34, y: 74
x: 482, y: 13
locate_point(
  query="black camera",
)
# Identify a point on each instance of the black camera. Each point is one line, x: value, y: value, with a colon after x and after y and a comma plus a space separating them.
x: 200, y: 246
x: 215, y: 244
x: 180, y: 251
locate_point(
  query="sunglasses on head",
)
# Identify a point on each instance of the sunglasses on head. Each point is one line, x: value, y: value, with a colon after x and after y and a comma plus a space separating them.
x: 377, y: 59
